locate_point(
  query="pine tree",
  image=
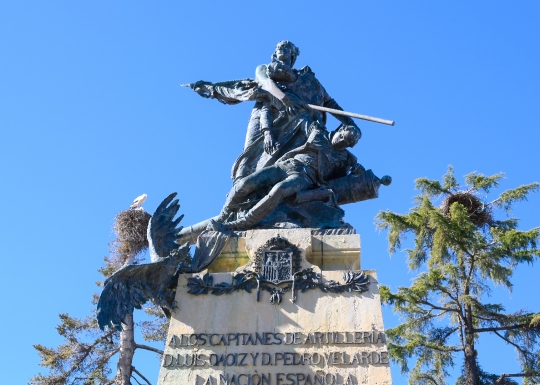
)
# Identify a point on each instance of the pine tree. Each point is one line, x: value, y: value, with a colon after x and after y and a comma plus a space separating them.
x: 461, y: 251
x: 85, y: 356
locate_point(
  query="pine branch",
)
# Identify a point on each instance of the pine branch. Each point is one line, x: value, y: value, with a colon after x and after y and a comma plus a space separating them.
x: 429, y: 316
x: 87, y: 353
x: 449, y: 333
x: 440, y: 348
x: 453, y: 298
x: 109, y: 356
x: 520, y: 321
x: 456, y: 300
x: 519, y: 348
x: 427, y: 378
x: 449, y: 180
x: 431, y: 187
x: 501, y: 328
x: 496, y: 317
x: 479, y: 181
x: 146, y: 347
x: 446, y: 309
x: 508, y: 198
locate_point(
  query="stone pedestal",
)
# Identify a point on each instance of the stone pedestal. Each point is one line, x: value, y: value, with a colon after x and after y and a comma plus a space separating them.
x: 323, y: 337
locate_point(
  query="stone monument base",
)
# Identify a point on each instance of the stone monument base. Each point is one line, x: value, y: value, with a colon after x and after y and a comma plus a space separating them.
x: 279, y: 307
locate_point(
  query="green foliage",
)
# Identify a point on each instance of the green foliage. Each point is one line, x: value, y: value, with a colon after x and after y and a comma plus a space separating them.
x: 480, y: 182
x: 462, y: 252
x: 157, y: 327
x: 84, y: 356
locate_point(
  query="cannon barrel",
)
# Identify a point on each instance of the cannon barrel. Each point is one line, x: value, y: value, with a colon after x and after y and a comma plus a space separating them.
x: 357, y: 187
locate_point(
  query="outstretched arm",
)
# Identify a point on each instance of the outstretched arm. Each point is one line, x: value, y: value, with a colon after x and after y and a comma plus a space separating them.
x: 229, y: 92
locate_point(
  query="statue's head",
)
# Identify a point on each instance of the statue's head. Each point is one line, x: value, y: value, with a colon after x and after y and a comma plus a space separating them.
x: 286, y: 50
x: 346, y: 136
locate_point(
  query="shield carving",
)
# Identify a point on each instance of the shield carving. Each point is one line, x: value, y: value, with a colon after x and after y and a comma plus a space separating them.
x: 277, y: 266
x: 277, y: 261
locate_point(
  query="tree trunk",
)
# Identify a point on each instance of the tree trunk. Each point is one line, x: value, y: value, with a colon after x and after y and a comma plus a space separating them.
x: 127, y: 350
x: 471, y: 367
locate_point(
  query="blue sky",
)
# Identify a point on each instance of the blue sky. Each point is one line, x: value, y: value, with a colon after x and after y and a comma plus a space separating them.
x: 92, y: 115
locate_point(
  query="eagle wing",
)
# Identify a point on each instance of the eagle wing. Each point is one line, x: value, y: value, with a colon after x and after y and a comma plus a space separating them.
x: 133, y: 285
x: 163, y: 229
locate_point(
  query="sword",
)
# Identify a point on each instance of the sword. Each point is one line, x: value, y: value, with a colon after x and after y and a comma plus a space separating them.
x: 351, y: 114
x: 223, y: 84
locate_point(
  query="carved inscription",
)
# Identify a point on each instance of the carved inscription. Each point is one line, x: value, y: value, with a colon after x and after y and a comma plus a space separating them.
x: 296, y: 338
x: 317, y: 352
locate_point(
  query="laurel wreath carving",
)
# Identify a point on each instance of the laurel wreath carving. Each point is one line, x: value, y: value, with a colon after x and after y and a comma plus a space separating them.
x: 303, y: 281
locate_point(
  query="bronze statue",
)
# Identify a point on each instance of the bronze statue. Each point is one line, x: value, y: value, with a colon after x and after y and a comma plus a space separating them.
x: 288, y: 105
x: 292, y: 173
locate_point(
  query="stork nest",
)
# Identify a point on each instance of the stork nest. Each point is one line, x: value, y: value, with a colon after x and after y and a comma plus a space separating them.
x: 479, y: 214
x: 130, y: 228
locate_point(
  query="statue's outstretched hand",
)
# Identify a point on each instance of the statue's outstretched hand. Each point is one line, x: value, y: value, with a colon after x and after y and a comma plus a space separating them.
x: 203, y: 88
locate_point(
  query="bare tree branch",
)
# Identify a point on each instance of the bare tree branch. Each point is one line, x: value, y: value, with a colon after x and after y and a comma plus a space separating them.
x: 496, y: 317
x: 140, y: 375
x: 519, y: 348
x: 109, y: 356
x: 503, y: 376
x: 146, y: 347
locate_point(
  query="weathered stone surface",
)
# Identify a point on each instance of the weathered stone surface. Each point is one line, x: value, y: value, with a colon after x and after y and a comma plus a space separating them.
x: 233, y: 255
x: 327, y: 252
x: 328, y: 337
x: 335, y: 252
